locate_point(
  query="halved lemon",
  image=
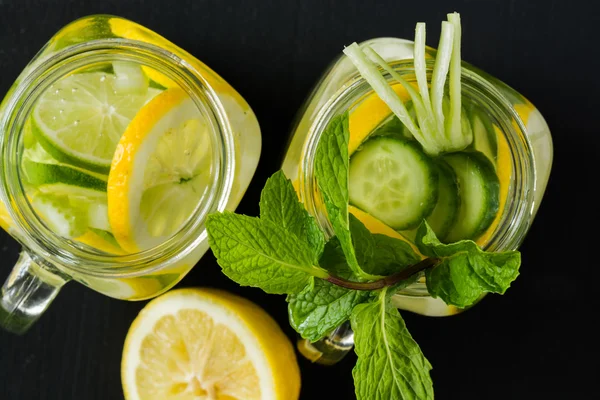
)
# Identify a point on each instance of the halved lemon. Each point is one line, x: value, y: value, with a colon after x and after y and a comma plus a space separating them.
x: 207, y: 344
x: 160, y: 171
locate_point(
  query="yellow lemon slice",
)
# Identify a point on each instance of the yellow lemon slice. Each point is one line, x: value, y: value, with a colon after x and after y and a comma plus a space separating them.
x: 100, y: 240
x: 160, y: 171
x: 207, y: 344
x: 5, y: 220
x: 368, y: 115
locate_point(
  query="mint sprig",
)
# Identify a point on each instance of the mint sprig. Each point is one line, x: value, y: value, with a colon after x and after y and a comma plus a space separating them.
x: 323, y: 306
x: 390, y: 363
x: 353, y: 274
x: 279, y: 204
x: 257, y: 252
x: 465, y: 272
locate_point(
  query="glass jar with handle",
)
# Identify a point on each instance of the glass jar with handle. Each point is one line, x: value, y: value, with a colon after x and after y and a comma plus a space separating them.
x: 520, y: 148
x: 98, y: 76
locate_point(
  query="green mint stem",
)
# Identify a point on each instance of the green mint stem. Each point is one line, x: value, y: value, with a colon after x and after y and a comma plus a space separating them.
x: 388, y: 280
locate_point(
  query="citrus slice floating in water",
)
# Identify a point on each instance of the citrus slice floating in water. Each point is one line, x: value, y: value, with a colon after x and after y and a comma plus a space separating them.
x: 80, y: 119
x: 160, y: 172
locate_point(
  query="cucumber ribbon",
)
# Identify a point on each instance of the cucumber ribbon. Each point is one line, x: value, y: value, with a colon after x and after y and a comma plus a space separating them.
x: 435, y: 131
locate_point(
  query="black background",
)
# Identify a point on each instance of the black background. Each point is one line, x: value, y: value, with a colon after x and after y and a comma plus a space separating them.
x: 537, y: 341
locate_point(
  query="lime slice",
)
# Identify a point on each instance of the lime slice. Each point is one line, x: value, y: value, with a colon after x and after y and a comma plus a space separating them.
x: 51, y: 176
x: 62, y: 218
x: 160, y: 171
x: 80, y: 119
x: 56, y: 175
x: 70, y: 198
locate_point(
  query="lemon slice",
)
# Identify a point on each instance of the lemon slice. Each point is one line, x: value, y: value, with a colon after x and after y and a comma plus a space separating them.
x: 160, y: 171
x: 5, y: 220
x: 101, y: 240
x: 207, y: 344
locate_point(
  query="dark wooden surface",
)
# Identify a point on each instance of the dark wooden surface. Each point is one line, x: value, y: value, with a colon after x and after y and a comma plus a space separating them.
x: 537, y: 341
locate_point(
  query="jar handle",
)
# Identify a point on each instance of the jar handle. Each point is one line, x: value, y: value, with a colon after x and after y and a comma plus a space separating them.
x: 27, y: 293
x: 331, y: 349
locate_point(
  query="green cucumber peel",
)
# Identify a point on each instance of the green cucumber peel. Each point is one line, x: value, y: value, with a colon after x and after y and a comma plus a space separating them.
x: 369, y: 71
x: 440, y: 72
x: 437, y: 130
x: 424, y: 115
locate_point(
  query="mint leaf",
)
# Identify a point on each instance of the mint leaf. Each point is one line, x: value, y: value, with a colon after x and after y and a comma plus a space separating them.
x: 279, y: 204
x: 340, y: 224
x: 331, y: 173
x: 322, y: 307
x: 333, y: 260
x: 390, y: 363
x: 262, y: 254
x: 331, y: 163
x: 380, y: 254
x: 465, y: 271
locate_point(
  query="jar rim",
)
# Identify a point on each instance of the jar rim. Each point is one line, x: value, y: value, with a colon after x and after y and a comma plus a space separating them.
x: 517, y: 213
x: 65, y: 254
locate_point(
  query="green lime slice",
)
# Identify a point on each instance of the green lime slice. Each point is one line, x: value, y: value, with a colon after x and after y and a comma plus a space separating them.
x: 80, y: 119
x: 60, y: 216
x: 45, y: 173
x: 69, y: 199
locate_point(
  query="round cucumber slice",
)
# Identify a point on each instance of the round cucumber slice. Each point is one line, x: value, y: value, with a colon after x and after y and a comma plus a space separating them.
x: 80, y: 119
x: 394, y: 181
x: 479, y: 194
x: 445, y: 212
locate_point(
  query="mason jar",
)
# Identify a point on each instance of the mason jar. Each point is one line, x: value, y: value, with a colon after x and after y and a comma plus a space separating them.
x: 524, y: 143
x: 49, y: 260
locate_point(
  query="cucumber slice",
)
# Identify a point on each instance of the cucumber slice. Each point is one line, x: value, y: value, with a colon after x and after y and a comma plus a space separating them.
x: 479, y: 193
x: 391, y: 126
x: 484, y: 136
x: 394, y: 181
x: 445, y: 212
